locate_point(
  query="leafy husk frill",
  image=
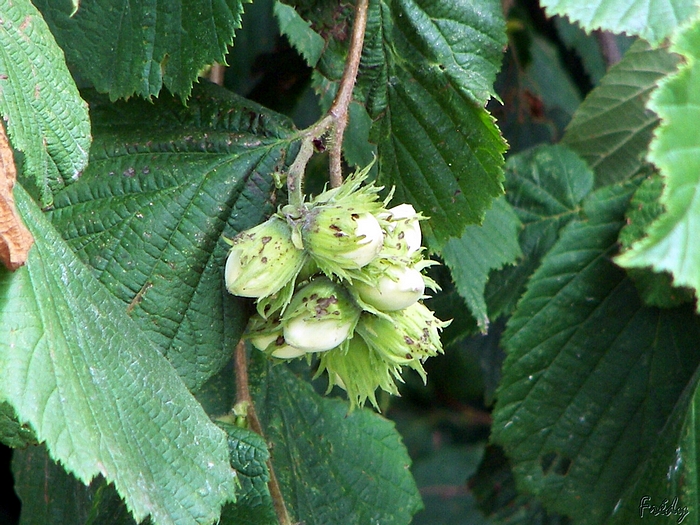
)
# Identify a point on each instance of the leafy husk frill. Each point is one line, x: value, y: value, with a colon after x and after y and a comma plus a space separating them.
x: 346, y: 284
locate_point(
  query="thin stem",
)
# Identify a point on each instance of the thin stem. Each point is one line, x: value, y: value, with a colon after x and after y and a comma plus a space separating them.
x: 608, y: 47
x: 242, y: 385
x: 243, y: 397
x: 341, y: 103
x: 216, y: 74
x: 335, y: 120
x: 336, y: 164
x: 295, y: 175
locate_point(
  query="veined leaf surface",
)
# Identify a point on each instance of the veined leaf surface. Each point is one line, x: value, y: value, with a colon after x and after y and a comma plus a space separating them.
x: 671, y: 242
x: 137, y: 47
x: 104, y: 404
x: 46, y: 118
x: 165, y: 182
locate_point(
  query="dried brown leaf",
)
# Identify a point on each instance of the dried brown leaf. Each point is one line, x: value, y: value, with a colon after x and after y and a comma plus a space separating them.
x: 15, y: 239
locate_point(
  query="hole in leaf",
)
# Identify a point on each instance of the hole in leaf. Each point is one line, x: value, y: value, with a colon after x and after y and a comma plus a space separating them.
x: 547, y: 461
x: 555, y: 463
x: 562, y: 466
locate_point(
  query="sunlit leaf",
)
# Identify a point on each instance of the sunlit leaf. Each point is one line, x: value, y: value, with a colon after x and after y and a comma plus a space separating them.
x: 46, y: 118
x: 138, y: 47
x: 104, y: 403
x: 653, y: 20
x: 671, y: 242
x: 612, y: 128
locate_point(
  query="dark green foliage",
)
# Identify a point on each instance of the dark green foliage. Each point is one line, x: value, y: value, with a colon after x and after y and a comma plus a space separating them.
x: 569, y: 385
x: 165, y: 183
x: 592, y: 373
x: 125, y: 47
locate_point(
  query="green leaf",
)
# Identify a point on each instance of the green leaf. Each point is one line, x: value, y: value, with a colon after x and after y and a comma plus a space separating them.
x: 357, y: 149
x: 479, y: 250
x: 671, y: 474
x: 299, y: 32
x: 653, y: 20
x: 52, y: 495
x: 103, y: 403
x: 441, y: 152
x: 428, y: 70
x: 249, y: 455
x: 12, y: 432
x: 591, y: 374
x: 545, y: 187
x: 138, y: 46
x: 644, y: 208
x: 655, y: 288
x: 612, y: 128
x: 165, y: 182
x: 671, y: 242
x: 46, y: 118
x: 333, y: 466
x: 462, y: 45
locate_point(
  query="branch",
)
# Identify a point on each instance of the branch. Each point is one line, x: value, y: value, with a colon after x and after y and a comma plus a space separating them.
x: 339, y: 108
x: 243, y: 398
x: 336, y: 120
x: 295, y: 175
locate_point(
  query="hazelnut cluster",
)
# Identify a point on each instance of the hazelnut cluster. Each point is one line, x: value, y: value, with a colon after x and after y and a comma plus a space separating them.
x: 340, y: 277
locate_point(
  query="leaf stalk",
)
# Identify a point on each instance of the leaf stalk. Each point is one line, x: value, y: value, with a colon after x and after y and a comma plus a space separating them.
x: 243, y: 398
x: 341, y: 103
